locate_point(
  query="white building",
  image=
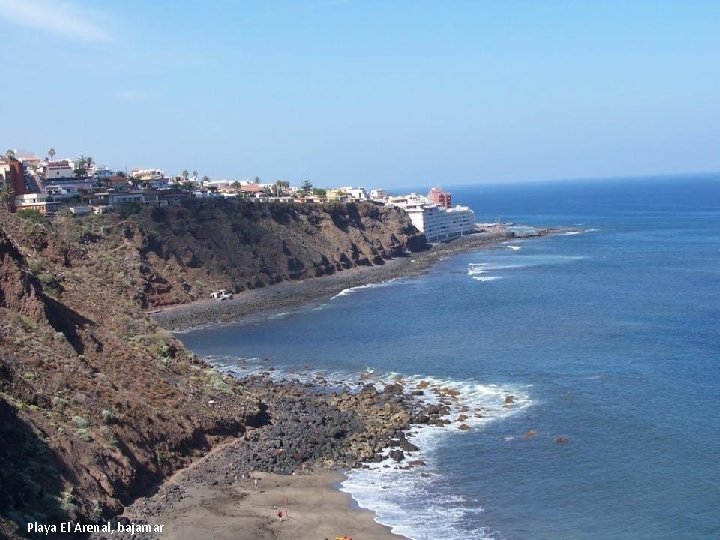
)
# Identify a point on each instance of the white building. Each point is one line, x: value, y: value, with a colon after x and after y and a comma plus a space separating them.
x: 103, y: 173
x: 118, y: 198
x: 355, y: 193
x: 59, y: 192
x: 60, y: 170
x: 146, y: 175
x: 35, y: 201
x: 436, y: 222
x: 4, y: 172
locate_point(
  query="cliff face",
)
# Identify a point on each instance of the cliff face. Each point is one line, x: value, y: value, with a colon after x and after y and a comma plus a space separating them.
x: 97, y: 403
x: 181, y: 254
x: 93, y: 411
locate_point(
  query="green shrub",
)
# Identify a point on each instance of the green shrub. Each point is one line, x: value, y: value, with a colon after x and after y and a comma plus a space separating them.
x: 129, y: 209
x: 59, y: 403
x: 30, y: 214
x: 80, y: 422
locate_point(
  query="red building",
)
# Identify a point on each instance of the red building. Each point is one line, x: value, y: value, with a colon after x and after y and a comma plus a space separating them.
x: 16, y: 178
x: 440, y: 197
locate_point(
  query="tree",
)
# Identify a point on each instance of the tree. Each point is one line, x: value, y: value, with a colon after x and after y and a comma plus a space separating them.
x: 306, y: 187
x: 281, y: 186
x: 204, y: 180
x: 319, y: 192
x: 51, y: 153
x: 195, y: 173
x: 185, y: 175
x: 6, y: 194
x: 81, y: 169
x: 10, y: 156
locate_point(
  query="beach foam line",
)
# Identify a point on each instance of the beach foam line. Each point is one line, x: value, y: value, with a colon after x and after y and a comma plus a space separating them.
x: 357, y: 288
x: 418, y: 502
x: 278, y: 315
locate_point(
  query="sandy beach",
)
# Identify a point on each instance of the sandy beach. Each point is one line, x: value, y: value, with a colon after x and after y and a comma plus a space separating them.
x: 218, y: 497
x: 310, y: 505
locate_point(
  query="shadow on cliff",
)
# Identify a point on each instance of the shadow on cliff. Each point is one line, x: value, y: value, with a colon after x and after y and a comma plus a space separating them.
x: 66, y: 321
x: 22, y: 291
x: 31, y: 487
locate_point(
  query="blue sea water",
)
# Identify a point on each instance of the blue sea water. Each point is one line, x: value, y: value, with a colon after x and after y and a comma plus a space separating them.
x: 610, y: 338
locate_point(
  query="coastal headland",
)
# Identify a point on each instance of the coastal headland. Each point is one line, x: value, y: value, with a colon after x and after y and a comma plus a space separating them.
x: 287, y: 294
x: 101, y: 406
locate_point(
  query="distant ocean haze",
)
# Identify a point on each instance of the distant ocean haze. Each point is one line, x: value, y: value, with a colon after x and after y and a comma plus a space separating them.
x: 606, y: 338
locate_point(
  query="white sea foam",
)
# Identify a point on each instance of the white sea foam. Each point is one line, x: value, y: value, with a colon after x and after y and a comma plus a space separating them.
x: 514, y: 248
x: 572, y: 233
x: 357, y: 288
x: 278, y: 315
x: 512, y: 262
x: 415, y: 502
x: 417, y: 506
x: 476, y: 271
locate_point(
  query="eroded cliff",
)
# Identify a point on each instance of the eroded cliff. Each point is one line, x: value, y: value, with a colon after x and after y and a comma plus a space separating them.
x: 97, y: 403
x: 176, y: 255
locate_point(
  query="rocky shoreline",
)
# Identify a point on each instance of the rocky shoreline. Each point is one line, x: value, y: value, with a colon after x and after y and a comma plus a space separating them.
x: 309, y: 428
x: 311, y: 424
x: 294, y: 293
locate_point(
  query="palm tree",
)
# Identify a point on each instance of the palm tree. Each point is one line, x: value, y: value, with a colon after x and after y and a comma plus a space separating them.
x: 185, y: 175
x: 195, y: 173
x: 10, y: 155
x: 51, y: 153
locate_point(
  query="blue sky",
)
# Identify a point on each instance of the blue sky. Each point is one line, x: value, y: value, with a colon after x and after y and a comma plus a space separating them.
x: 374, y: 93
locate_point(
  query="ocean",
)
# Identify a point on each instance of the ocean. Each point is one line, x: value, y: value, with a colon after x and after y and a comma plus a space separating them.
x: 609, y: 338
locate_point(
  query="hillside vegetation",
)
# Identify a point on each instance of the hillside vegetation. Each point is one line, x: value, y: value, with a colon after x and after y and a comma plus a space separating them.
x: 97, y: 403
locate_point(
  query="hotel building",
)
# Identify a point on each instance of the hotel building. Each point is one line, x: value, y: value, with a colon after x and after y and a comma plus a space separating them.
x: 436, y: 222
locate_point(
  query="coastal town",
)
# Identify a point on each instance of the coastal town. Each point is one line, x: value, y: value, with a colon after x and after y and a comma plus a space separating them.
x: 79, y: 186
